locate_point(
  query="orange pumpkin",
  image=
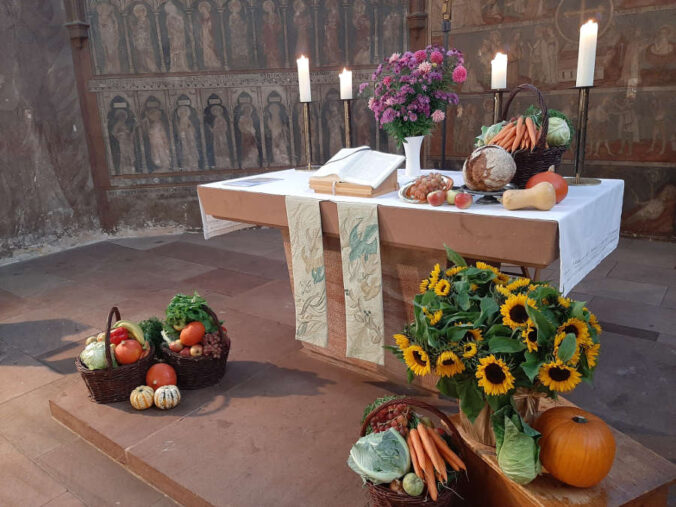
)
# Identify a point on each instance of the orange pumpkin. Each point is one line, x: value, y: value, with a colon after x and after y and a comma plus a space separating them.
x: 576, y: 447
x: 560, y: 184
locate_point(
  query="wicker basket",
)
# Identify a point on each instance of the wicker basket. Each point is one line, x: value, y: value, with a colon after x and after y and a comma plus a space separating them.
x: 530, y: 163
x: 114, y: 384
x: 202, y: 371
x: 382, y: 496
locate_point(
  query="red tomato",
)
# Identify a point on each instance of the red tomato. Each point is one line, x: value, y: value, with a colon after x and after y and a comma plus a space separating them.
x: 560, y: 184
x: 160, y: 374
x: 128, y: 351
x: 118, y: 335
x: 192, y: 334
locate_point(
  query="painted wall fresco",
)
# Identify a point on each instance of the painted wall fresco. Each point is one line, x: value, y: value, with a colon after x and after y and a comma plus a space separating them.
x: 45, y: 183
x: 629, y: 135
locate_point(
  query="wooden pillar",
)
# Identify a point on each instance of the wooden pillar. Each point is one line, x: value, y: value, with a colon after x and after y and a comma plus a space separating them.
x: 417, y: 24
x: 78, y: 32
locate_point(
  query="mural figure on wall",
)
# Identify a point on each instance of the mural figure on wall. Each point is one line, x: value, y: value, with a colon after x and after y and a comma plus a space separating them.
x: 393, y: 31
x: 491, y: 11
x: 187, y: 135
x: 142, y: 35
x: 277, y: 134
x: 661, y: 51
x: 156, y: 136
x: 659, y: 134
x: 109, y: 29
x: 361, y: 22
x: 515, y: 53
x: 334, y: 131
x: 302, y: 25
x: 122, y: 133
x: 332, y: 51
x: 551, y: 57
x: 466, y: 13
x: 248, y: 132
x: 271, y: 36
x: 363, y: 124
x: 176, y: 39
x: 217, y: 134
x: 631, y: 61
x: 628, y: 126
x: 238, y: 35
x: 600, y: 122
x: 208, y: 37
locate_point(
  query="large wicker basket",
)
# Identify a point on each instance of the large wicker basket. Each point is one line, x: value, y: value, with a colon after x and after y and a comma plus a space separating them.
x: 201, y: 371
x: 381, y: 495
x: 530, y: 163
x: 114, y: 384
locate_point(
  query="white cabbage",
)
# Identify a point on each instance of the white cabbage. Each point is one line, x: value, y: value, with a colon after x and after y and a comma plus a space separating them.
x: 380, y: 457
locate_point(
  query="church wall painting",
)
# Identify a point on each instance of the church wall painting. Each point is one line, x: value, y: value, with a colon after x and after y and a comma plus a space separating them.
x: 187, y: 132
x: 217, y: 132
x: 124, y: 138
x: 248, y: 130
x: 277, y: 129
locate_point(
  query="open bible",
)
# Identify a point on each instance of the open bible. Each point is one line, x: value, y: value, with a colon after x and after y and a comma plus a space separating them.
x: 361, y: 172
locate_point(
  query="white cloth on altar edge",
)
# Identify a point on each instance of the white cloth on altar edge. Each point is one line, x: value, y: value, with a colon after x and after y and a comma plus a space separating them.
x: 212, y: 227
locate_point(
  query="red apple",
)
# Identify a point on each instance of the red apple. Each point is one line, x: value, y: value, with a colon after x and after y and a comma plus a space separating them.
x: 436, y: 198
x: 450, y: 196
x: 176, y: 346
x: 463, y: 200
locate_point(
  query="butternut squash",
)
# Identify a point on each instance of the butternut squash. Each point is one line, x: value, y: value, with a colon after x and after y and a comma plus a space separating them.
x: 542, y: 196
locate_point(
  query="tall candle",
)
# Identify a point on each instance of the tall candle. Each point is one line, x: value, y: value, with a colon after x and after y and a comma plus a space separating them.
x: 345, y: 84
x: 499, y: 72
x: 304, y: 79
x: 586, y: 55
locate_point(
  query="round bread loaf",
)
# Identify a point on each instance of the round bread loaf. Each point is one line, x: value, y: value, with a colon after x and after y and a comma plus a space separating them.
x: 488, y: 168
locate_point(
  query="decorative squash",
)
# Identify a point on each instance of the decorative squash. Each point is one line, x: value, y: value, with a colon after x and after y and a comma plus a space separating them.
x: 560, y: 184
x: 542, y: 196
x: 576, y: 447
x: 167, y: 397
x: 141, y: 397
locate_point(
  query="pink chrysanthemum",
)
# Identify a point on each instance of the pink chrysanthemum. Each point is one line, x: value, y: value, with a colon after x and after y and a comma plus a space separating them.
x: 420, y: 55
x: 387, y: 81
x: 459, y: 74
x: 425, y: 67
x: 394, y: 57
x: 437, y: 57
x: 438, y: 116
x: 370, y: 105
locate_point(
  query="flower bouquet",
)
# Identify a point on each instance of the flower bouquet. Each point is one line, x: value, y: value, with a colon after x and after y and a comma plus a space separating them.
x: 409, y: 94
x: 499, y: 344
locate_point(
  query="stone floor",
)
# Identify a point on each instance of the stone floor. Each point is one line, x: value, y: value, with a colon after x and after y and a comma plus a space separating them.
x: 50, y: 304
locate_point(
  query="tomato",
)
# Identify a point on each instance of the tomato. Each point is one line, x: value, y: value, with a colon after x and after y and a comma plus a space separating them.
x: 128, y: 351
x: 161, y: 374
x: 118, y: 335
x: 192, y: 334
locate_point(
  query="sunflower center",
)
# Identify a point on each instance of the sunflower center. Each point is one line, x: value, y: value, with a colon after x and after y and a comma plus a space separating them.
x: 448, y: 362
x: 494, y: 374
x: 570, y: 328
x: 533, y: 335
x: 468, y: 347
x: 418, y: 358
x: 559, y: 374
x: 518, y: 314
x: 468, y: 335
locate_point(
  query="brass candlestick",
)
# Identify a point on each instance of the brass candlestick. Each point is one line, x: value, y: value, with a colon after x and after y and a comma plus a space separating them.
x: 582, y: 110
x: 348, y: 122
x: 497, y: 105
x: 306, y: 128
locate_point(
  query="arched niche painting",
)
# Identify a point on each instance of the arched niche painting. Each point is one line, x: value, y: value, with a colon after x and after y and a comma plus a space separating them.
x: 187, y: 135
x: 156, y: 136
x: 277, y: 134
x: 125, y: 149
x: 271, y: 35
x: 300, y: 28
x: 392, y: 19
x: 361, y: 32
x: 333, y: 124
x: 238, y: 35
x: 332, y: 33
x: 299, y: 133
x: 248, y: 133
x: 363, y: 124
x: 174, y: 30
x: 208, y: 38
x: 109, y: 39
x: 145, y: 50
x: 217, y: 134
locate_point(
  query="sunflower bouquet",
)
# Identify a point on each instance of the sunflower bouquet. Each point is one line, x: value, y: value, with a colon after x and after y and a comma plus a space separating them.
x: 489, y: 338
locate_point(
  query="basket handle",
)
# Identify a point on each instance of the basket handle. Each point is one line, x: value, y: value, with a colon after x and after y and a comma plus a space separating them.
x: 217, y: 322
x: 109, y: 357
x: 412, y: 402
x: 540, y: 143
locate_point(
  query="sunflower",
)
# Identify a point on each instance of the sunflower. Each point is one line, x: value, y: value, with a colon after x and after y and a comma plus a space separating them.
x: 474, y: 334
x: 518, y: 283
x: 473, y: 287
x: 565, y: 302
x: 449, y: 364
x: 417, y: 360
x: 401, y: 341
x: 434, y: 276
x: 514, y: 312
x: 442, y: 288
x: 423, y: 286
x: 483, y: 265
x: 502, y: 279
x: 530, y: 338
x: 594, y: 323
x: 591, y: 354
x: 503, y: 291
x: 455, y: 270
x: 494, y: 376
x: 559, y: 377
x: 469, y: 350
x: 433, y: 317
x: 576, y: 355
x: 578, y: 328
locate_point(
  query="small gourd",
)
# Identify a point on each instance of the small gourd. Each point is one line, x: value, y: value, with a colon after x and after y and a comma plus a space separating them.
x: 141, y: 397
x: 167, y: 397
x: 542, y: 196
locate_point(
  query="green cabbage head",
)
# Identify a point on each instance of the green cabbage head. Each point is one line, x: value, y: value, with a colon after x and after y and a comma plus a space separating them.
x: 380, y: 457
x: 558, y: 133
x: 94, y: 356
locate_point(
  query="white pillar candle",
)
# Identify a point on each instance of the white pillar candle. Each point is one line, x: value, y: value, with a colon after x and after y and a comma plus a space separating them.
x: 586, y: 55
x: 345, y: 84
x: 304, y: 79
x: 499, y: 72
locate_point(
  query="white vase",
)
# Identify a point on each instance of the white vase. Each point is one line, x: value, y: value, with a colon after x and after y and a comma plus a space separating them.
x: 412, y: 147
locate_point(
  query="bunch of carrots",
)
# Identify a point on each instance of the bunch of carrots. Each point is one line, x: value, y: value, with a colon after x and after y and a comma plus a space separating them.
x: 521, y: 134
x: 429, y: 454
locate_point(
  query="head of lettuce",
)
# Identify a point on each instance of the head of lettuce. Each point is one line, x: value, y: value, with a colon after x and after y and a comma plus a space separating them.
x: 380, y: 457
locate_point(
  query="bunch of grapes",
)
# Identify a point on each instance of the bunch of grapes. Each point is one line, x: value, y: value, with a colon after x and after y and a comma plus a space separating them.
x: 423, y: 185
x: 395, y: 416
x: 212, y: 345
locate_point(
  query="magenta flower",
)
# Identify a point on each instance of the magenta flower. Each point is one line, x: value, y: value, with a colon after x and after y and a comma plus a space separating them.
x: 420, y: 55
x: 394, y: 57
x: 437, y: 57
x: 387, y: 81
x: 388, y: 116
x: 425, y: 67
x: 362, y: 87
x: 438, y: 116
x: 371, y: 101
x: 459, y: 74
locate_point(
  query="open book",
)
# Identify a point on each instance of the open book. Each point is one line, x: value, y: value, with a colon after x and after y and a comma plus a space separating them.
x: 358, y: 171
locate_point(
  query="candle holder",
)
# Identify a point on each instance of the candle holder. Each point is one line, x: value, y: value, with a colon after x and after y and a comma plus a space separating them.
x: 581, y: 138
x: 348, y: 123
x: 445, y: 28
x: 306, y: 129
x: 497, y: 104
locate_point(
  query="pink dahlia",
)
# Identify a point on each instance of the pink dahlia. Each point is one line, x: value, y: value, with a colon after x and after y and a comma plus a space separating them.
x: 438, y: 116
x: 370, y: 103
x: 459, y: 74
x: 387, y: 81
x: 437, y: 57
x: 420, y: 55
x: 425, y: 67
x: 394, y: 57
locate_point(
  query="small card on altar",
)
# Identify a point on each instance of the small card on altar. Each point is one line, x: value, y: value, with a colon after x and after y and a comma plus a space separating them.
x: 251, y: 182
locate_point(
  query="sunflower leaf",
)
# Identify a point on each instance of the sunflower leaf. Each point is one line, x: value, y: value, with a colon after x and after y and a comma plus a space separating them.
x: 567, y: 348
x: 497, y: 329
x: 488, y: 308
x: 448, y: 387
x: 577, y: 309
x: 545, y: 328
x: 410, y: 375
x: 471, y: 399
x: 463, y: 301
x: 531, y: 366
x: 454, y: 257
x: 505, y: 344
x: 456, y: 333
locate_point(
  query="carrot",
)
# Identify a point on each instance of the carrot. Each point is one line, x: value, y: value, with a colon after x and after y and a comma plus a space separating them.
x: 520, y: 128
x: 431, y: 480
x: 418, y: 448
x: 503, y: 132
x: 414, y: 457
x: 524, y: 140
x: 446, y: 452
x: 431, y: 450
x: 506, y: 142
x: 530, y: 125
